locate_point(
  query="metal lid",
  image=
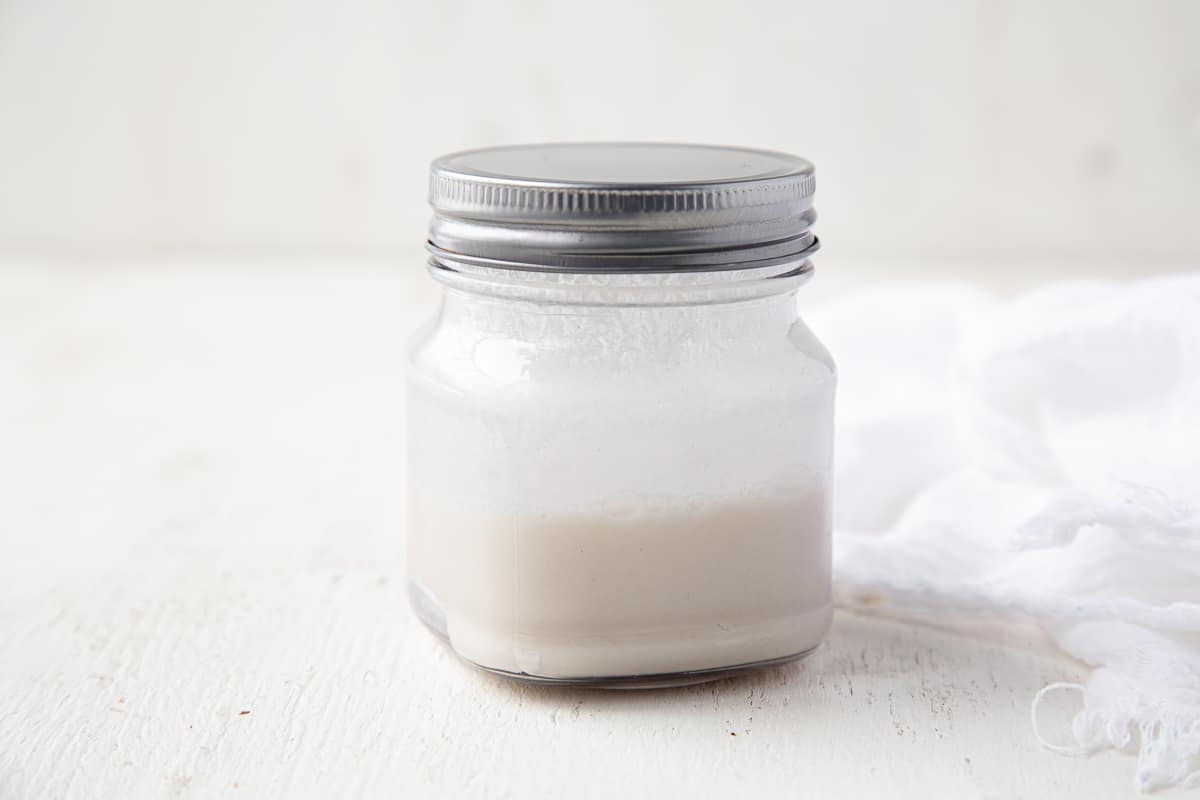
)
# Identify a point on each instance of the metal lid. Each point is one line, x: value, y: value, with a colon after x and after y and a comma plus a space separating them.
x: 621, y: 207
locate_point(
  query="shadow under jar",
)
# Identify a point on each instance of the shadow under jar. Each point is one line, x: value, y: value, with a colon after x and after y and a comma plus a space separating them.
x: 620, y: 431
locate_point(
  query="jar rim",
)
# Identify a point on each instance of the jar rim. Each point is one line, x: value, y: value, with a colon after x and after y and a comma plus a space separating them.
x: 617, y: 264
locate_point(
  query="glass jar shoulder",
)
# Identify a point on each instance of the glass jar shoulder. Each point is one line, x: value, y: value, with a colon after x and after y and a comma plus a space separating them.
x: 760, y: 351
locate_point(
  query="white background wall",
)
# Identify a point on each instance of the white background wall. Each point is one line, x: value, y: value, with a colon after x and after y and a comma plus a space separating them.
x: 1066, y: 130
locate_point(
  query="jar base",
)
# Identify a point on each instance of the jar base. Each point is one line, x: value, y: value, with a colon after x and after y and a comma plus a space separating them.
x: 668, y: 680
x: 432, y: 617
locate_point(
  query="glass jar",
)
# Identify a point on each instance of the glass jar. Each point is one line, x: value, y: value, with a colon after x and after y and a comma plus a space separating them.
x: 620, y: 431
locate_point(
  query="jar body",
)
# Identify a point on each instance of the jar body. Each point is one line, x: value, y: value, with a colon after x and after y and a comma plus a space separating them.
x: 614, y: 490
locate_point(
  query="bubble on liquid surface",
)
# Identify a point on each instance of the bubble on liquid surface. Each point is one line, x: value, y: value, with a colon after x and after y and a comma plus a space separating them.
x: 627, y: 505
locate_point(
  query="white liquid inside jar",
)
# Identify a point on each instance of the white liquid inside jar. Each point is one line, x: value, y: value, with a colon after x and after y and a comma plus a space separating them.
x: 667, y: 590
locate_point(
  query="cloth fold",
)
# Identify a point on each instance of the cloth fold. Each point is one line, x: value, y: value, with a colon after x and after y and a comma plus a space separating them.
x: 1035, y: 458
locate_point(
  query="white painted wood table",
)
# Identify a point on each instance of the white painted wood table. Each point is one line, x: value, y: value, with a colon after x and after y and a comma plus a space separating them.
x: 201, y: 588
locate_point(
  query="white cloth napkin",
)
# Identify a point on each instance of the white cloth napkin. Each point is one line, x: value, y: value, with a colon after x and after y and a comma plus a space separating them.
x: 1035, y: 458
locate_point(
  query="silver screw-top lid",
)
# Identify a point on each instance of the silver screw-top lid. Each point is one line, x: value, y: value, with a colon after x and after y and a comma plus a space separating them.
x: 621, y: 207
